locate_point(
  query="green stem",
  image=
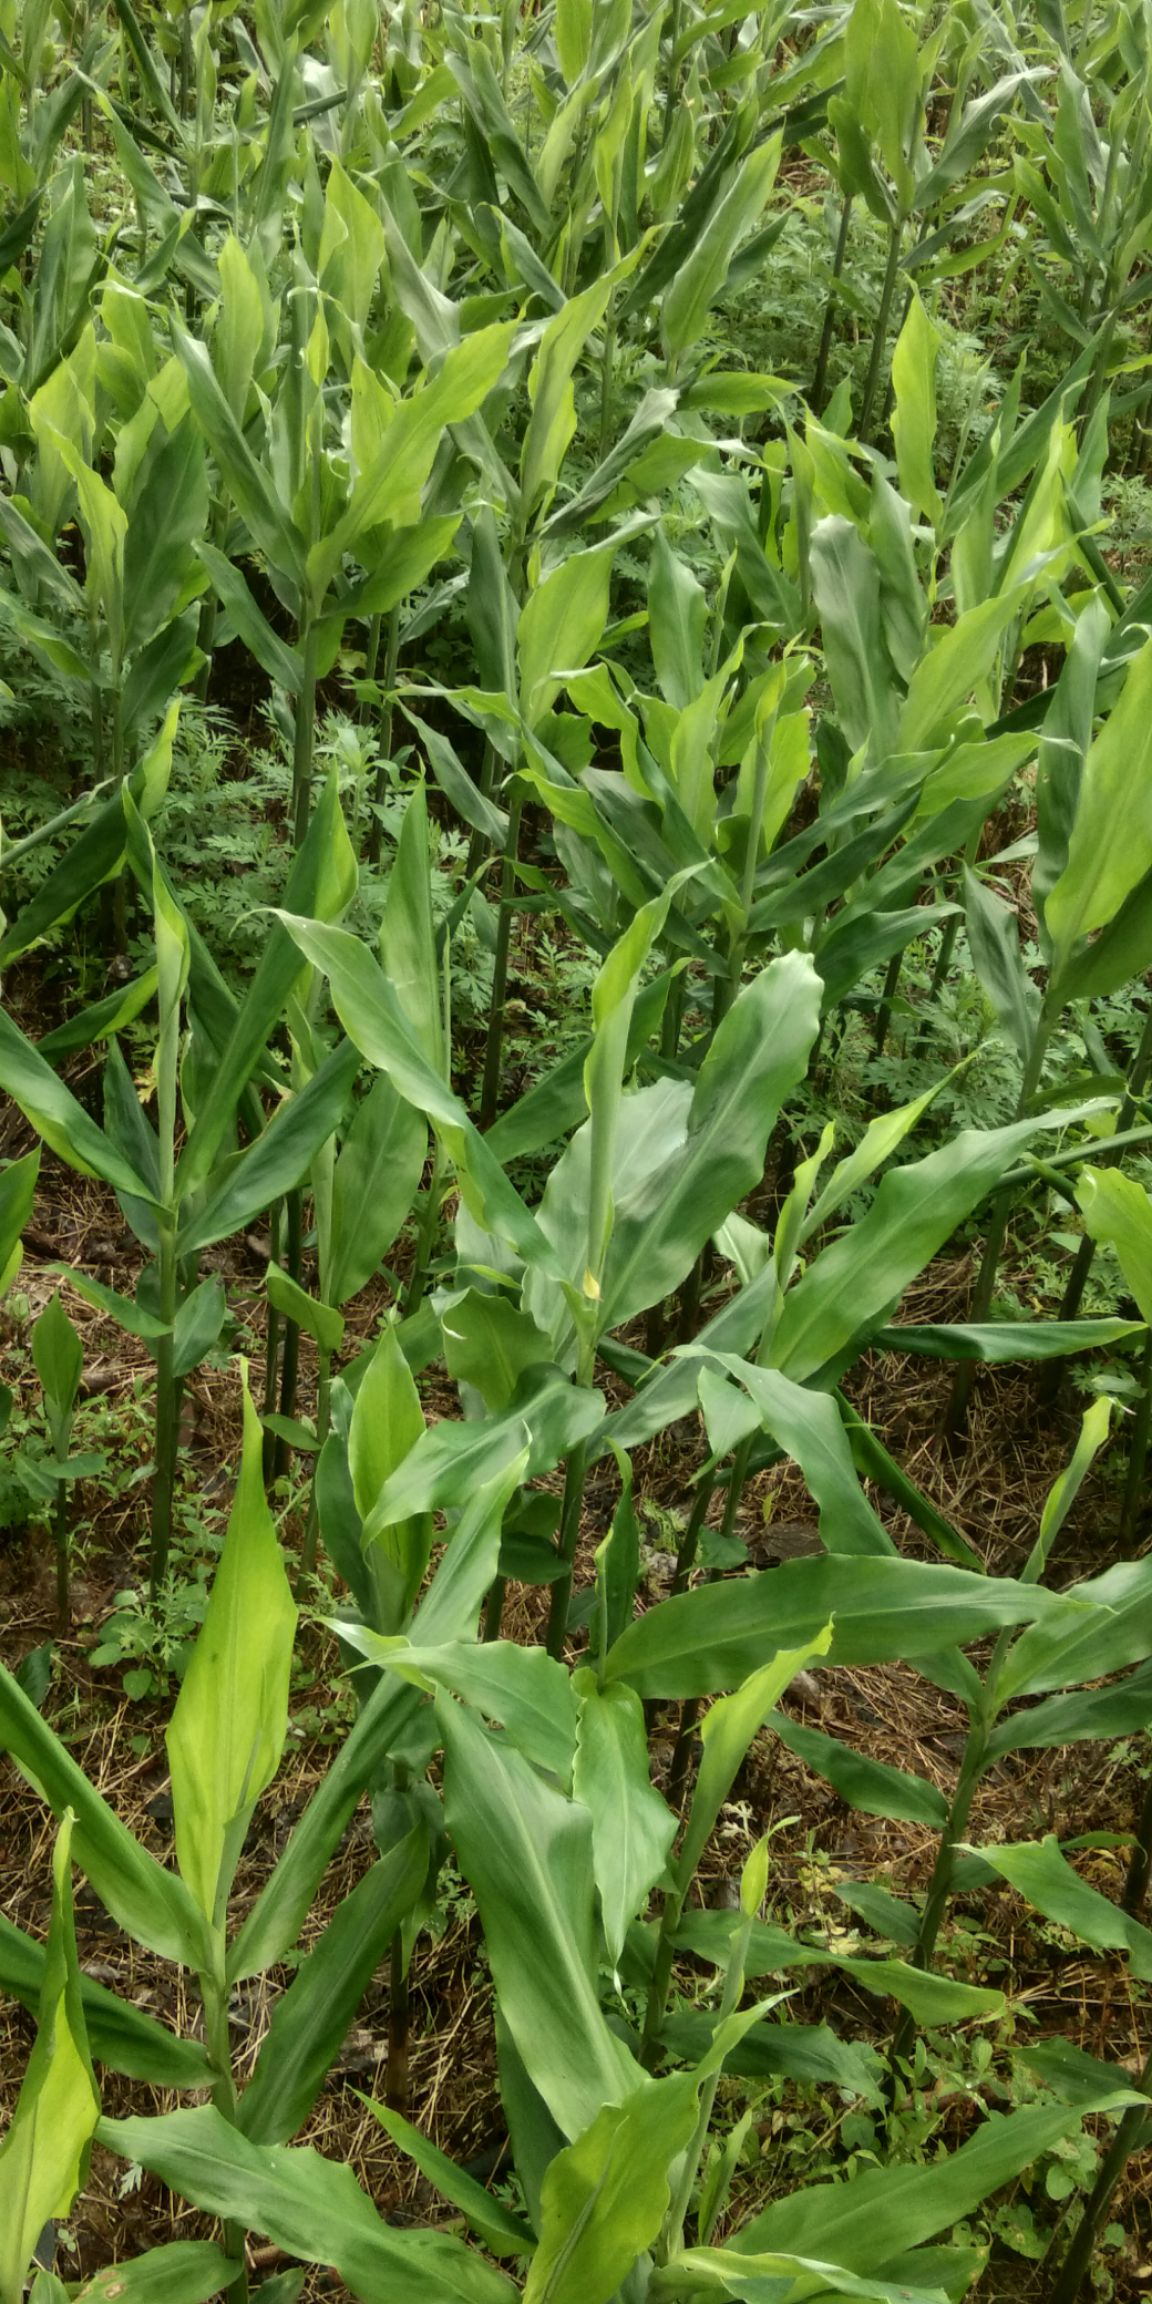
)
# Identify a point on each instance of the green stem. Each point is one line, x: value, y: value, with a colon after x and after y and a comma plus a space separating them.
x: 210, y: 608
x: 494, y: 1609
x: 689, y: 1543
x: 662, y: 1966
x: 323, y: 1420
x: 671, y: 2240
x: 672, y: 1020
x: 120, y: 884
x: 396, y: 2069
x: 880, y: 333
x: 271, y: 1353
x: 387, y: 718
x: 884, y: 1011
x: 426, y: 1237
x: 1109, y: 1155
x: 820, y: 378
x: 1140, y: 1862
x: 940, y: 1889
x: 673, y: 87
x: 493, y: 1053
x: 290, y: 1351
x: 167, y: 1406
x: 214, y: 2001
x: 1129, y: 2136
x: 1134, y: 1485
x: 890, y: 388
x: 690, y: 1709
x: 607, y: 379
x: 994, y: 1239
x: 478, y: 844
x: 60, y: 1536
x: 305, y: 733
x: 567, y: 1541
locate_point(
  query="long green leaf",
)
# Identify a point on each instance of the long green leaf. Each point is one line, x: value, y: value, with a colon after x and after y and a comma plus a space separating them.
x: 44, y: 2153
x: 712, y: 1638
x: 227, y: 1732
x: 151, y: 1904
x: 305, y: 2205
x: 526, y: 1853
x: 310, y: 2020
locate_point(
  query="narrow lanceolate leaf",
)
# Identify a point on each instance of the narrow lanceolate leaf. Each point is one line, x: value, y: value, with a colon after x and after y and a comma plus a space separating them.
x: 58, y: 1118
x: 704, y: 2272
x: 310, y: 2019
x: 710, y: 1639
x: 374, y: 1020
x: 1119, y: 1211
x: 869, y: 1785
x: 17, y: 1192
x: 306, y: 2205
x: 179, y: 2272
x: 726, y: 1734
x: 758, y: 1056
x: 245, y: 1186
x: 632, y: 1827
x: 44, y: 2154
x: 387, y: 1421
x: 149, y: 1903
x: 503, y: 2233
x: 861, y: 2224
x: 376, y: 1179
x: 1002, y: 1341
x: 808, y: 1427
x: 1110, y: 848
x: 856, y: 1283
x: 120, y: 2035
x: 560, y: 624
x: 526, y: 1853
x: 408, y: 935
x: 701, y: 278
x: 227, y: 1731
x: 1095, y: 1627
x: 1038, y: 1871
x: 914, y: 415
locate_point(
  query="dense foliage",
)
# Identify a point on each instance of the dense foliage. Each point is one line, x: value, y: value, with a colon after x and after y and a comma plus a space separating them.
x: 578, y: 687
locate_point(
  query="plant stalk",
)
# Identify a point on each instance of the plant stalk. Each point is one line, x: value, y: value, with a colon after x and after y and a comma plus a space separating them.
x: 880, y: 333
x: 1109, y: 1155
x: 271, y: 1353
x: 323, y: 1419
x: 1129, y: 2136
x: 214, y: 2001
x: 60, y: 1538
x: 1134, y: 1485
x: 818, y: 393
x: 568, y: 1538
x: 494, y: 1049
x: 396, y: 2069
x: 984, y: 1290
x: 884, y: 1011
x: 305, y: 734
x: 167, y: 1407
x: 690, y: 1709
x: 940, y: 1888
x: 290, y: 1350
x: 426, y: 1236
x: 387, y: 718
x: 1140, y: 1861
